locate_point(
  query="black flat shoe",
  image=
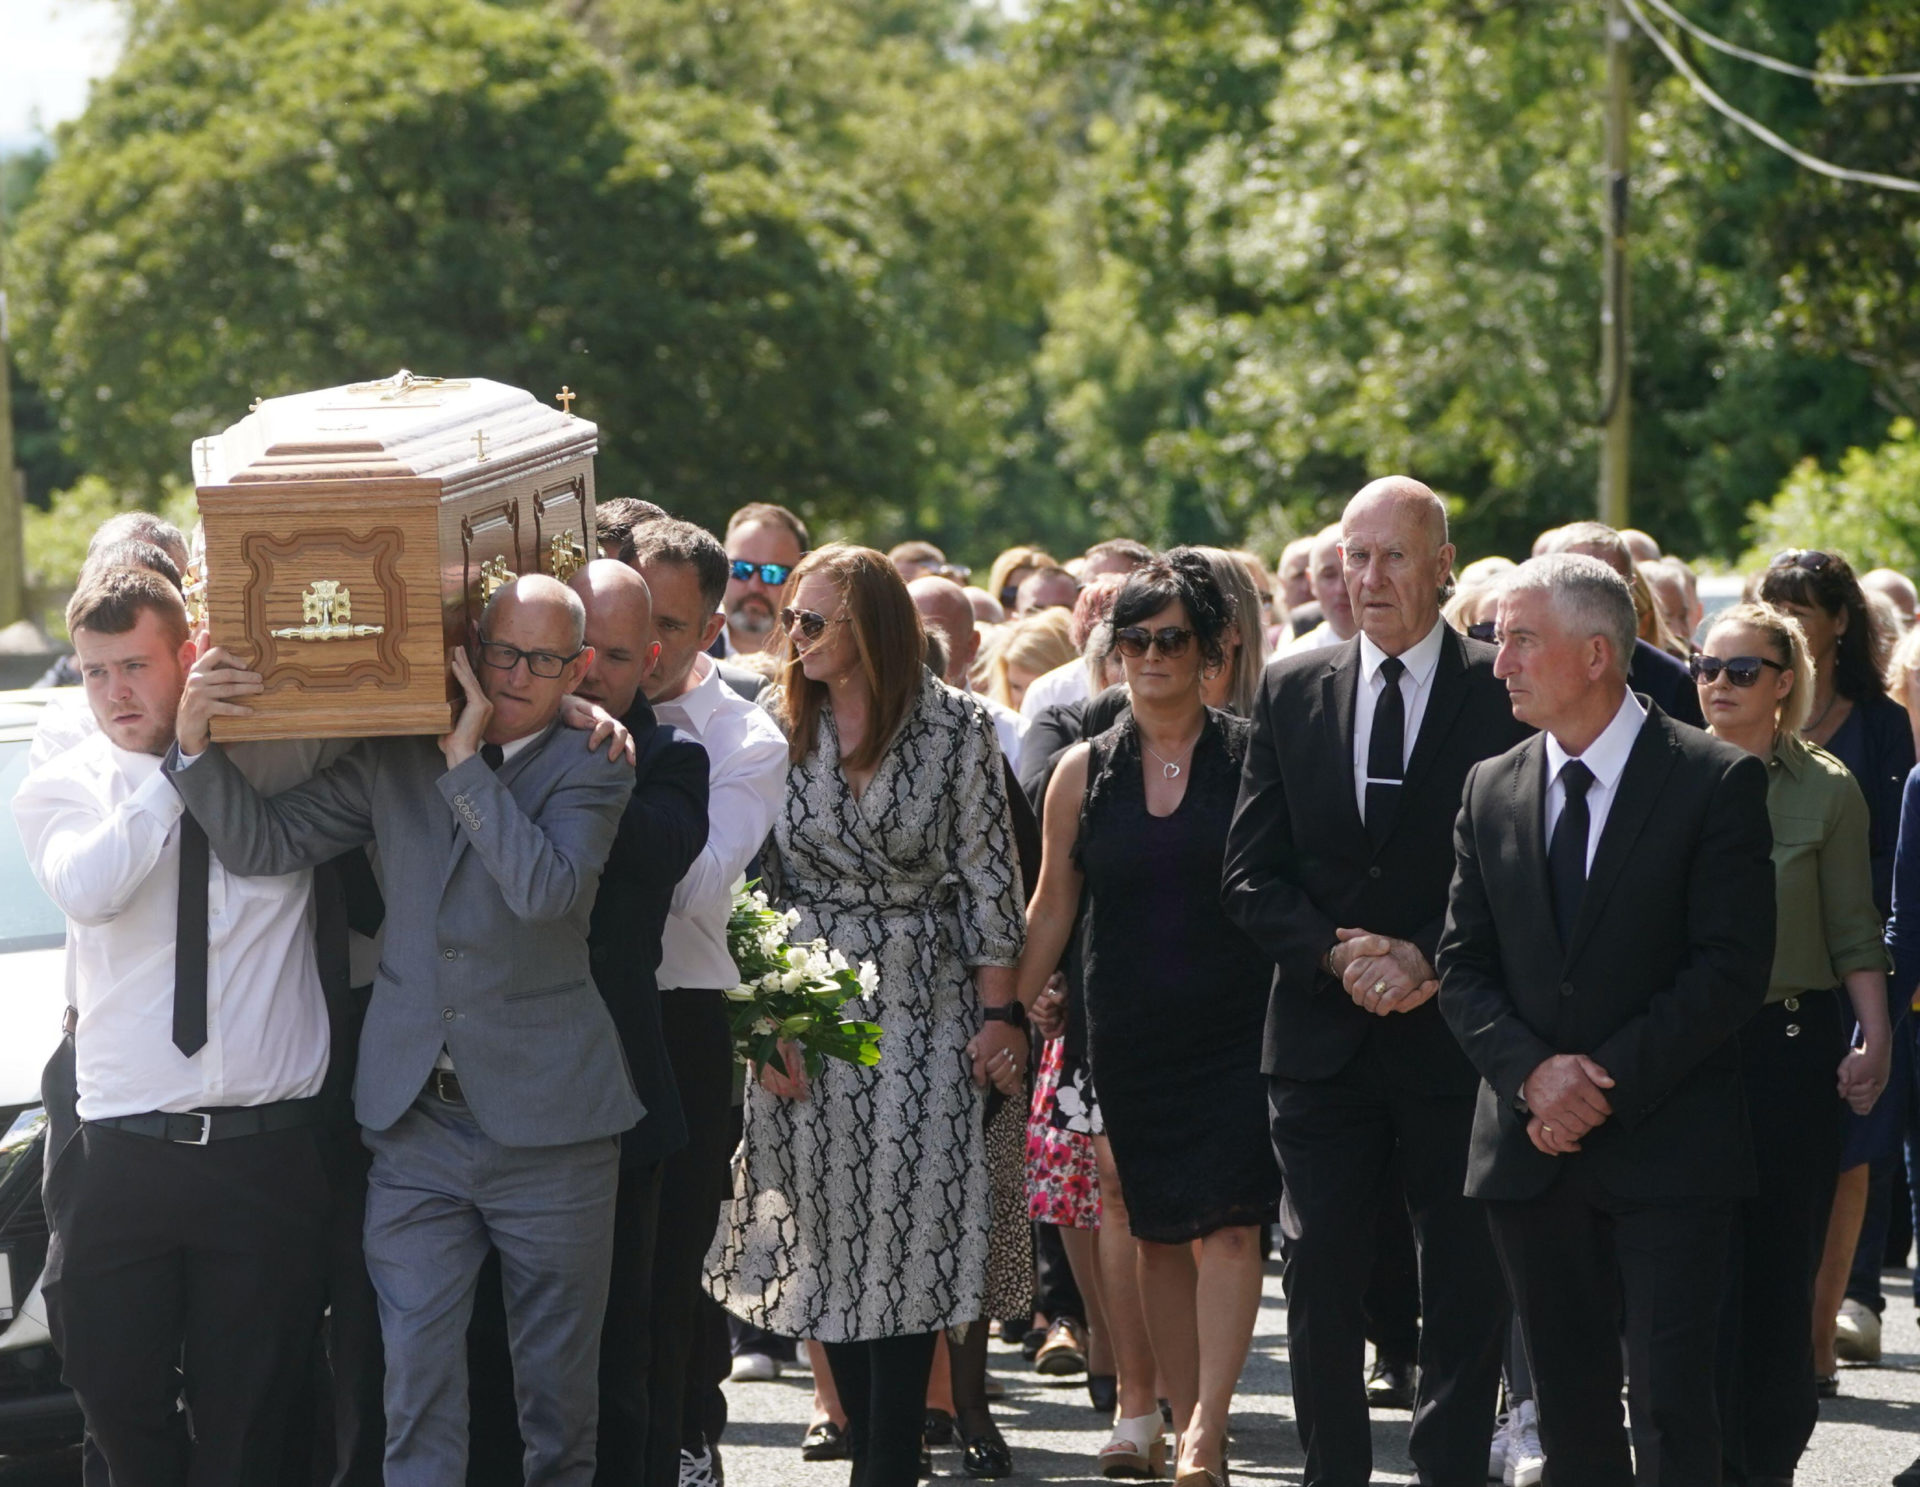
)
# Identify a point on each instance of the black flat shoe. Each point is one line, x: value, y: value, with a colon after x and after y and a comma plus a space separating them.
x: 825, y: 1441
x: 1827, y: 1386
x: 1103, y: 1392
x: 986, y: 1457
x: 1390, y: 1385
x: 938, y: 1429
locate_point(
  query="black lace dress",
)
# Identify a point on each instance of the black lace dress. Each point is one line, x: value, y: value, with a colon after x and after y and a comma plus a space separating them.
x: 1175, y: 995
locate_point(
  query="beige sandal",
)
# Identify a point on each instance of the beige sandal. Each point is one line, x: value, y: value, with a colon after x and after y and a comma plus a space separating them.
x: 1136, y: 1451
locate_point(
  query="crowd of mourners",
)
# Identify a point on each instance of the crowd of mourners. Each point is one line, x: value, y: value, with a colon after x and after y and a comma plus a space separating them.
x: 1518, y: 953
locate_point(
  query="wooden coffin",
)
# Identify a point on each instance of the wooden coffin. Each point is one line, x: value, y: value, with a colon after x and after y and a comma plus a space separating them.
x: 353, y: 535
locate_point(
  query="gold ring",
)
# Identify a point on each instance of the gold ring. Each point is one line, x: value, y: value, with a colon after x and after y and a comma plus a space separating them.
x: 1379, y: 987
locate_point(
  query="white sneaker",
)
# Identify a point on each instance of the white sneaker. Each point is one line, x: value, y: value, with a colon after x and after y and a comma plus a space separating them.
x: 753, y: 1368
x: 1526, y: 1462
x: 697, y: 1471
x: 1497, y: 1449
x: 1856, y: 1335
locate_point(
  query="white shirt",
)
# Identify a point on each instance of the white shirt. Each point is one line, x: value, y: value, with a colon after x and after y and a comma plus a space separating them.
x: 1008, y: 724
x: 1416, y: 686
x: 1319, y: 636
x: 746, y: 785
x: 1606, y: 756
x: 1069, y: 683
x: 101, y: 830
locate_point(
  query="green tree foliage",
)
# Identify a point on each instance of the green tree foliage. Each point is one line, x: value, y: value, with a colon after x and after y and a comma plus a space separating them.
x: 1868, y: 508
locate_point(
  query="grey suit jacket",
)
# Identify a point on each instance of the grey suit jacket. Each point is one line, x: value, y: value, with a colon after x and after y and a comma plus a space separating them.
x: 489, y: 881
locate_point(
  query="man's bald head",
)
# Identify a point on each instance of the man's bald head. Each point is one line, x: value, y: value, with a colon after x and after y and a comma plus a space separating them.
x: 1590, y: 539
x: 1394, y: 548
x: 619, y: 609
x: 1330, y: 583
x: 944, y: 602
x: 1640, y: 544
x: 1411, y: 505
x: 537, y: 599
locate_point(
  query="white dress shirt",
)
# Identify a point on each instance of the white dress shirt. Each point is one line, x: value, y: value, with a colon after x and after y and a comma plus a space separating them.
x: 746, y: 785
x: 1416, y: 686
x: 101, y: 830
x: 1008, y: 724
x: 1606, y: 756
x: 1069, y: 683
x: 1318, y: 638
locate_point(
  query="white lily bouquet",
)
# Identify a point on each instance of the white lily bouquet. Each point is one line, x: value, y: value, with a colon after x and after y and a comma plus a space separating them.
x: 793, y: 993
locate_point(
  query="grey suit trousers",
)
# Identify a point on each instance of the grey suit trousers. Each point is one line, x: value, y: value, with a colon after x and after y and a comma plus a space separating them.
x: 440, y: 1193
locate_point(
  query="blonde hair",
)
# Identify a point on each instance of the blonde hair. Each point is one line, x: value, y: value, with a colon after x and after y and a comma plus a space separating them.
x: 1788, y: 642
x: 1479, y: 580
x: 1249, y: 657
x: 1653, y: 627
x: 1012, y: 561
x: 1037, y: 642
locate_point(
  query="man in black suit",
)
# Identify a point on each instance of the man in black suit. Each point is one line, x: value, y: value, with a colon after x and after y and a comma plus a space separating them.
x: 1337, y: 865
x: 1611, y: 925
x: 662, y: 831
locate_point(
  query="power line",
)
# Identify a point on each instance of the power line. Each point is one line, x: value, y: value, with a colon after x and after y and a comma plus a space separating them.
x: 1760, y: 59
x: 1752, y: 125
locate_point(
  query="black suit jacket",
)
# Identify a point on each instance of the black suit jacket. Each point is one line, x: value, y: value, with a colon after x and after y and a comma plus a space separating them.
x: 663, y: 830
x: 1653, y: 673
x: 1300, y: 864
x: 1670, y: 954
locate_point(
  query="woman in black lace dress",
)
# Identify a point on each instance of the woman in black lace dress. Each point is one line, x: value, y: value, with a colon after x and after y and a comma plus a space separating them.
x: 1174, y: 998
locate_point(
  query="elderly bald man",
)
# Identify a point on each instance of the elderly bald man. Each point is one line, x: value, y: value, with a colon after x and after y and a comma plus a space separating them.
x: 662, y: 831
x: 491, y: 1085
x: 1897, y: 589
x: 1337, y: 865
x: 944, y: 603
x: 1327, y: 574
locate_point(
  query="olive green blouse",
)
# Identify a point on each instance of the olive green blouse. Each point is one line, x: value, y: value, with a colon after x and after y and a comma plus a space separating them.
x: 1823, y: 881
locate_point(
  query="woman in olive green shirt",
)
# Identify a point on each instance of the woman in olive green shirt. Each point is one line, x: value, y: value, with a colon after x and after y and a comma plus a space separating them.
x: 1755, y: 682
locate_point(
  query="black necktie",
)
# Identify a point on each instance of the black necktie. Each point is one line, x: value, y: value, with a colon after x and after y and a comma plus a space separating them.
x: 493, y: 754
x: 1386, y: 752
x: 1567, y: 853
x: 190, y: 941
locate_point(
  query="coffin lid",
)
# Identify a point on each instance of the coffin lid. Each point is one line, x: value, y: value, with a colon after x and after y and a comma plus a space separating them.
x: 403, y: 426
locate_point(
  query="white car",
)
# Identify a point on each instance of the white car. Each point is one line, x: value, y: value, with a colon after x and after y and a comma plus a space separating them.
x: 36, y: 1410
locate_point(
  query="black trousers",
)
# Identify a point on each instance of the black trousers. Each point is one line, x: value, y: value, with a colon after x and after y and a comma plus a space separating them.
x: 1788, y: 1055
x: 883, y: 1387
x: 1587, y: 1269
x: 494, y: 1446
x: 694, y: 1183
x: 194, y: 1265
x: 1337, y: 1139
x: 1392, y: 1302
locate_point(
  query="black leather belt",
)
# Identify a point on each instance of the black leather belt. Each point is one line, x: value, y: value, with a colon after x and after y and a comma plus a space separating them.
x: 443, y: 1083
x: 198, y: 1127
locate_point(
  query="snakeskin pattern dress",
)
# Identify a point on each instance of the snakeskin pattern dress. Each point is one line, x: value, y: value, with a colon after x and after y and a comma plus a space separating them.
x: 863, y: 1212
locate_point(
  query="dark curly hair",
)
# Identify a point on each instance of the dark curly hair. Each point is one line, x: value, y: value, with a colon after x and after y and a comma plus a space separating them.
x: 1181, y: 573
x: 1860, y: 652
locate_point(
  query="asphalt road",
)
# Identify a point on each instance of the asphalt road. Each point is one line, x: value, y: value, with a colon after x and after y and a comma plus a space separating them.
x: 1864, y: 1437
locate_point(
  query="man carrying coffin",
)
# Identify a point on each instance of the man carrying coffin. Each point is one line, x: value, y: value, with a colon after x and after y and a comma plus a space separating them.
x: 491, y: 1085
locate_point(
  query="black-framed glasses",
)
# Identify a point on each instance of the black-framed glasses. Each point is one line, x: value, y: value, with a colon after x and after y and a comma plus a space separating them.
x: 812, y: 623
x: 1169, y: 640
x: 1742, y: 671
x: 1008, y: 595
x: 543, y: 664
x: 1811, y: 559
x: 771, y: 574
x: 1481, y: 630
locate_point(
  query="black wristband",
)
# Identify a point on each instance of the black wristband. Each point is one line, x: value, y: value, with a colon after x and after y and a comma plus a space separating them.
x: 1013, y: 1013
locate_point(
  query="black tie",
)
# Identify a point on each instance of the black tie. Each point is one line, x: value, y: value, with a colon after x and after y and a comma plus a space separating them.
x: 1567, y: 853
x: 190, y: 941
x: 1386, y: 752
x: 493, y: 754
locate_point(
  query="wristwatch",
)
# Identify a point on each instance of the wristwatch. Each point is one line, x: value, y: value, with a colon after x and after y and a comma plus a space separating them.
x: 1013, y: 1013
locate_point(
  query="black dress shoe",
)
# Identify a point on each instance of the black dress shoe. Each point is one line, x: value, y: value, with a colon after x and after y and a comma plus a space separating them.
x: 1390, y: 1385
x: 825, y: 1441
x: 938, y: 1430
x: 987, y: 1456
x: 1910, y: 1477
x: 1103, y: 1390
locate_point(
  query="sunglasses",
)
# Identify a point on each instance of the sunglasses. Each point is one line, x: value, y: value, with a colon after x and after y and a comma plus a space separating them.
x: 1133, y: 641
x: 1481, y: 630
x: 771, y: 574
x: 812, y: 623
x: 1742, y: 671
x: 1811, y: 559
x: 543, y: 664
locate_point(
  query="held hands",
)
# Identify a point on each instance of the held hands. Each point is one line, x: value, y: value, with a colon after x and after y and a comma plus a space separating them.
x: 470, y: 731
x: 791, y: 1085
x: 999, y: 1054
x: 1049, y: 1015
x: 600, y: 726
x: 212, y: 685
x: 1382, y: 974
x: 1863, y: 1074
x: 1567, y: 1097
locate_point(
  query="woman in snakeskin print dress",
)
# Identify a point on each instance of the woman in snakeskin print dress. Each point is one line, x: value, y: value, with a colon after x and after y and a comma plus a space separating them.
x: 860, y: 1210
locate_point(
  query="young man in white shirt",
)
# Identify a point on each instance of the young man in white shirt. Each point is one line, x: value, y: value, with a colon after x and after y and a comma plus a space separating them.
x: 687, y: 573
x: 191, y: 1204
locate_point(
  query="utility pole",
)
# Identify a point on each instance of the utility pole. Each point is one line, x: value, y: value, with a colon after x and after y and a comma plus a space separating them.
x: 1615, y: 324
